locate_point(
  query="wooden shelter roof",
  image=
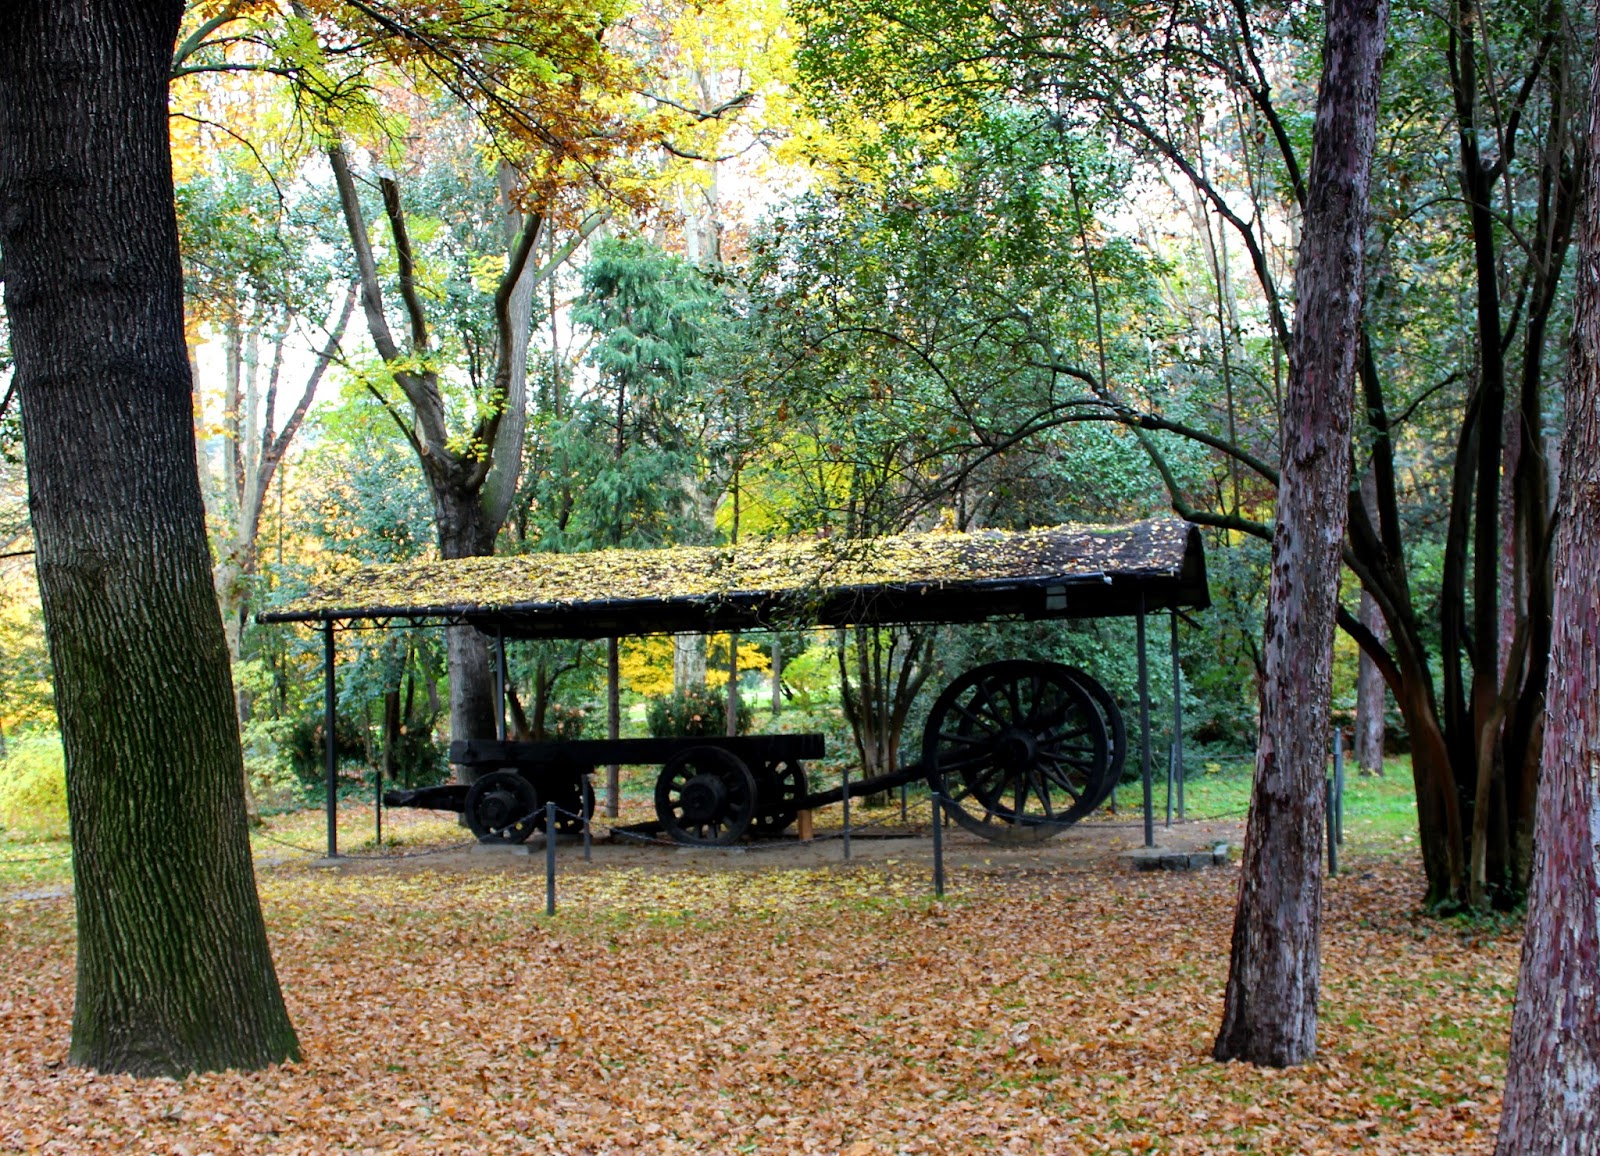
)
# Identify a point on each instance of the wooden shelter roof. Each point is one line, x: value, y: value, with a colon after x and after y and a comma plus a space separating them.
x: 1069, y: 571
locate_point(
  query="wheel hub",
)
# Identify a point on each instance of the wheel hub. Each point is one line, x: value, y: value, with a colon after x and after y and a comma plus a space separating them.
x: 704, y: 797
x: 497, y: 808
x: 1016, y: 749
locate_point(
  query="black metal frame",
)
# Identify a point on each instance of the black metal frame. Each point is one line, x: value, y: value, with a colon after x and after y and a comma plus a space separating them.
x: 600, y: 752
x: 1099, y: 595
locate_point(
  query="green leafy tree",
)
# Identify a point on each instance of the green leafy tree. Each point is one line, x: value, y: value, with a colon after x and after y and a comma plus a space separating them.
x: 932, y: 339
x: 1474, y: 207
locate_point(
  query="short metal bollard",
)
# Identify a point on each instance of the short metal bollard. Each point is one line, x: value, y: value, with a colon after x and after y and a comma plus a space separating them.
x: 1338, y: 787
x: 1333, y: 842
x: 1172, y: 763
x: 588, y: 839
x: 549, y: 858
x: 844, y: 781
x: 938, y: 843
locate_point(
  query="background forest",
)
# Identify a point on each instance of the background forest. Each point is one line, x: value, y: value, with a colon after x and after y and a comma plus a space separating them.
x: 532, y: 277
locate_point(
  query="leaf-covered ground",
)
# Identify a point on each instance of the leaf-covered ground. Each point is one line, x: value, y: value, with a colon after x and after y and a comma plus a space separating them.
x: 713, y: 1003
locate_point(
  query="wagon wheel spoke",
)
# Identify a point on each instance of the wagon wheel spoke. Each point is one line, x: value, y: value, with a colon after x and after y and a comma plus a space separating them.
x: 1054, y: 772
x: 1020, y: 793
x: 987, y: 720
x: 1067, y: 730
x: 1043, y: 787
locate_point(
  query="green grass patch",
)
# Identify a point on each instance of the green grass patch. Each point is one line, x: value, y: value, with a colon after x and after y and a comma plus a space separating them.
x: 1380, y: 812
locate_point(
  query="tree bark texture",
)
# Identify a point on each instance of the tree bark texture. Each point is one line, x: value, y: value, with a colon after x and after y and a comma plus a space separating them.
x: 173, y: 973
x: 1270, y: 1012
x: 1552, y: 1098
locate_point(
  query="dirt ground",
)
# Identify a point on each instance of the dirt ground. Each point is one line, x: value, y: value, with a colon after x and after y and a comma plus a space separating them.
x: 1095, y: 844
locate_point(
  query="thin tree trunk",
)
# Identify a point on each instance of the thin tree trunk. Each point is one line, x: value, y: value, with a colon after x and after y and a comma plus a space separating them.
x: 1270, y: 1014
x: 732, y: 713
x: 1371, y: 696
x: 1552, y: 1098
x: 777, y: 676
x: 174, y: 972
x: 391, y: 734
x: 688, y: 662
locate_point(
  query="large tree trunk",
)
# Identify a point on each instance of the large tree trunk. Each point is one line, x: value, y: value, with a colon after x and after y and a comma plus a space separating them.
x: 463, y: 533
x: 174, y: 972
x: 1552, y: 1099
x: 1270, y: 1016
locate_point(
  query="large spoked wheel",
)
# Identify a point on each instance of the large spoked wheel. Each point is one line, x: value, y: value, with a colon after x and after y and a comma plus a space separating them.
x: 502, y: 807
x: 705, y: 797
x: 1018, y: 750
x: 780, y: 787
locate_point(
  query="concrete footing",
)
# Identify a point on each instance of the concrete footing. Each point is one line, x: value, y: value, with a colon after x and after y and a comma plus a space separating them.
x: 509, y: 848
x: 1167, y: 859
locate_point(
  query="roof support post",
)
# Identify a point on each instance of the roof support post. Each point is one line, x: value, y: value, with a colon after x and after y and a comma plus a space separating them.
x: 329, y: 719
x: 500, y: 684
x: 1177, y: 714
x: 1144, y: 728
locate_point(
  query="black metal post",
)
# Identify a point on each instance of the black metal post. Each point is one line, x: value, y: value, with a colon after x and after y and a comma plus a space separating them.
x: 1338, y: 787
x: 377, y: 804
x: 588, y: 839
x: 1177, y: 714
x: 329, y: 710
x: 844, y: 783
x: 1170, y: 754
x: 500, y: 684
x: 1144, y: 729
x: 938, y: 843
x: 549, y: 858
x: 904, y: 818
x: 1333, y: 844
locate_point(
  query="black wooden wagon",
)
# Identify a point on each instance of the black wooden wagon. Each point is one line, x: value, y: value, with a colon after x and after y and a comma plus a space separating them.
x: 1017, y: 749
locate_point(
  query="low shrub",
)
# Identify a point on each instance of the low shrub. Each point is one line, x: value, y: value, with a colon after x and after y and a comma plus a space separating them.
x: 33, y: 788
x: 693, y: 713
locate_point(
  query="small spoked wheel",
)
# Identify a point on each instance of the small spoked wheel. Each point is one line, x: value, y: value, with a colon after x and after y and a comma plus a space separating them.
x: 780, y: 788
x: 1018, y: 750
x: 705, y: 797
x: 574, y: 806
x: 502, y: 807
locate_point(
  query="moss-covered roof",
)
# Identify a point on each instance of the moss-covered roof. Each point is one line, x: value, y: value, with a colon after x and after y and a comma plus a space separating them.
x: 1061, y: 571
